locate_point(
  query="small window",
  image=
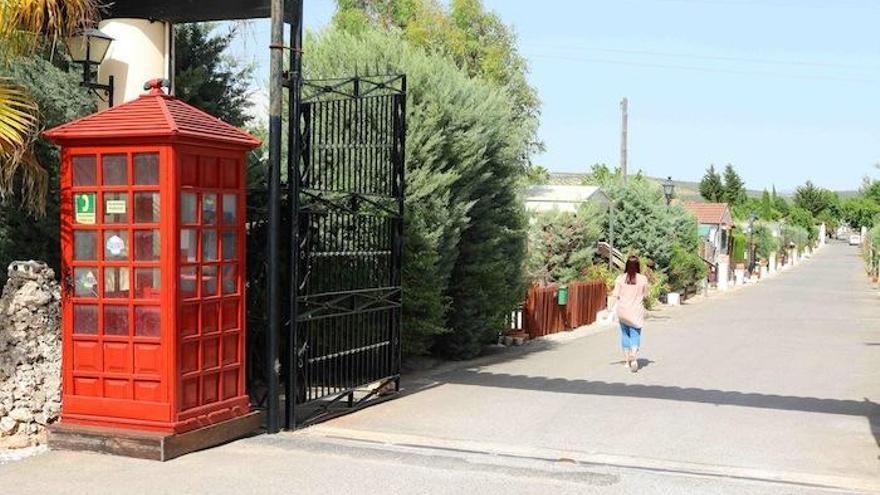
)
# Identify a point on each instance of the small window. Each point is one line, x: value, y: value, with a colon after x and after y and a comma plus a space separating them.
x: 147, y: 321
x: 85, y: 319
x: 187, y: 208
x: 85, y: 281
x: 209, y: 209
x: 85, y: 170
x: 116, y: 283
x: 115, y: 169
x: 147, y: 282
x: 229, y: 245
x: 187, y: 283
x: 209, y: 245
x: 146, y: 169
x: 230, y: 211
x: 189, y: 242
x: 115, y: 208
x: 116, y: 320
x: 230, y: 279
x: 85, y: 245
x: 209, y: 281
x: 146, y: 207
x: 146, y: 245
x: 115, y: 245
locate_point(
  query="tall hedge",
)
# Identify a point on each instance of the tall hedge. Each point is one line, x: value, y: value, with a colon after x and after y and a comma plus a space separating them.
x: 464, y: 242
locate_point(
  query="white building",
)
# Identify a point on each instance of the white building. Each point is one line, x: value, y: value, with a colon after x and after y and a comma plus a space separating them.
x: 562, y: 198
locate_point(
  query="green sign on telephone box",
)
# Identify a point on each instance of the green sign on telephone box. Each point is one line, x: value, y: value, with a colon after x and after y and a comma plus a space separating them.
x: 84, y: 208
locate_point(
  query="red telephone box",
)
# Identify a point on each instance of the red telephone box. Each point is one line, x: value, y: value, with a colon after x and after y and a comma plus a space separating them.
x: 153, y: 255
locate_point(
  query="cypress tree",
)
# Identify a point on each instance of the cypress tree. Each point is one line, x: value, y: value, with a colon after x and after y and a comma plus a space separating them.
x: 734, y: 187
x: 711, y: 187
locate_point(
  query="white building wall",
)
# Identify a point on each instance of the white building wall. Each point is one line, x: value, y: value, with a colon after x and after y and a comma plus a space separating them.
x: 141, y: 50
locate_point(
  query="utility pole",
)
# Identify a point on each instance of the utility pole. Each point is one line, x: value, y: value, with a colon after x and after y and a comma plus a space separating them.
x: 624, y: 108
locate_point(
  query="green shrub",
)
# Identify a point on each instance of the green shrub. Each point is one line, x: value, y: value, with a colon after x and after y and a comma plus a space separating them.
x: 465, y: 229
x: 794, y: 235
x: 601, y: 271
x: 738, y: 248
x: 562, y: 244
x: 765, y: 242
x: 685, y: 269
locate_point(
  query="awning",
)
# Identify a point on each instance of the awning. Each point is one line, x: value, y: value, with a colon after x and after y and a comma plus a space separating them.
x: 192, y: 10
x: 704, y: 230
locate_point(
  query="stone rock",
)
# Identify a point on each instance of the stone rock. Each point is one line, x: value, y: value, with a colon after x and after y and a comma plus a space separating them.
x: 30, y: 353
x: 7, y: 425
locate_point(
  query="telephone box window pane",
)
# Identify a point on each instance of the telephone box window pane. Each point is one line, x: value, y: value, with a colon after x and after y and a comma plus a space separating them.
x: 85, y: 319
x: 147, y: 282
x: 188, y: 208
x: 209, y: 281
x: 85, y: 246
x: 209, y: 209
x: 85, y: 170
x: 209, y: 245
x: 146, y: 321
x: 115, y: 245
x: 85, y: 281
x: 189, y: 245
x: 146, y: 207
x: 146, y: 169
x: 84, y: 207
x: 115, y: 208
x: 115, y: 169
x: 115, y: 320
x: 116, y: 282
x: 230, y: 279
x: 187, y: 282
x: 229, y: 208
x: 146, y: 245
x: 229, y: 245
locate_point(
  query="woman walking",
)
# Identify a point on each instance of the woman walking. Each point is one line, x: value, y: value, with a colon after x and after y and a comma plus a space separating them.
x: 628, y: 297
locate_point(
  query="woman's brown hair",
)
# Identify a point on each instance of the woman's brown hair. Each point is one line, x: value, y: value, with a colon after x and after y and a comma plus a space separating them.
x: 632, y: 268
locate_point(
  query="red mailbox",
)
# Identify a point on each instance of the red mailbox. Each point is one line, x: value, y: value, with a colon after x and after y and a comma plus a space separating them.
x: 153, y: 250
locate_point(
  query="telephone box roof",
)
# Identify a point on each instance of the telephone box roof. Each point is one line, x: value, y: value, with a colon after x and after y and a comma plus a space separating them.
x: 152, y: 115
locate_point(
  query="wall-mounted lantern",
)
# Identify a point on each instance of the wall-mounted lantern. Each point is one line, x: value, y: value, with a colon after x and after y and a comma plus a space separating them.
x: 89, y: 48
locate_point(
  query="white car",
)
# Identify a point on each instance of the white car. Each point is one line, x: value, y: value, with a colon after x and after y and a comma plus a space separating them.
x: 855, y: 239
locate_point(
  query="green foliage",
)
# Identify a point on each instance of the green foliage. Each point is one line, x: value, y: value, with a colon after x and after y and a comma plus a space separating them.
x: 779, y: 204
x: 61, y: 99
x: 860, y: 212
x: 686, y: 268
x: 562, y: 244
x: 794, y: 235
x: 536, y: 175
x: 656, y: 284
x: 734, y: 187
x: 206, y: 78
x: 804, y: 219
x: 463, y: 31
x: 814, y: 199
x: 738, y: 247
x: 643, y: 224
x: 465, y: 159
x: 601, y: 271
x: 765, y: 242
x: 602, y: 176
x: 711, y: 186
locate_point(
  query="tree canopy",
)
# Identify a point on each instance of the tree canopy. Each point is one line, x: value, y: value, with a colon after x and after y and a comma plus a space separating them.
x: 734, y: 187
x: 711, y: 186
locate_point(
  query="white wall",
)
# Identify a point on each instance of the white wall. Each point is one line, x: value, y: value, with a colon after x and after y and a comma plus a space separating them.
x: 140, y: 51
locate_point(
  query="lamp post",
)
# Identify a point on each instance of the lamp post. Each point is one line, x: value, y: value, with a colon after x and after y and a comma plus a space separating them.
x: 669, y: 190
x: 752, y: 218
x: 89, y: 48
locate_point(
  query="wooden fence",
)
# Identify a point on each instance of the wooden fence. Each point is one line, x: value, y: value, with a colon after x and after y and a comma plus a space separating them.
x: 542, y: 315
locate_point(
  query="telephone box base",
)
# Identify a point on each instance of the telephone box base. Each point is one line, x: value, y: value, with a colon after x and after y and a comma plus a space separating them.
x: 156, y: 446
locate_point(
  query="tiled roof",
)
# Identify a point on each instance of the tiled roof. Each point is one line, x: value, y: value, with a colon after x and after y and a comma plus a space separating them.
x: 154, y: 114
x: 709, y: 213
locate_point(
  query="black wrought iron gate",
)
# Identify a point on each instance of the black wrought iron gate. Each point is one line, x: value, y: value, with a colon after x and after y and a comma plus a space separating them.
x: 346, y: 191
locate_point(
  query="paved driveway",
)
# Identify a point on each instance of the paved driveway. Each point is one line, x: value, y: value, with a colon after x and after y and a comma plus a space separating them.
x: 779, y: 381
x: 765, y: 390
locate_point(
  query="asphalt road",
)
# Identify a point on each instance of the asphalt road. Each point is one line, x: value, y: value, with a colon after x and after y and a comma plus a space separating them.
x: 773, y: 388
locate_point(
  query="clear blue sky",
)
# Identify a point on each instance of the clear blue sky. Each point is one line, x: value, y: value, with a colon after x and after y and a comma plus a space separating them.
x: 786, y: 90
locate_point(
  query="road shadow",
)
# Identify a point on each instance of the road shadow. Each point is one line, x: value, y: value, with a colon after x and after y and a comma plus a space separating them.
x: 643, y: 363
x: 865, y: 408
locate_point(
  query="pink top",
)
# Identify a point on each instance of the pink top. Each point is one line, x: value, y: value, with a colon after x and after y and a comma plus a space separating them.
x: 630, y: 300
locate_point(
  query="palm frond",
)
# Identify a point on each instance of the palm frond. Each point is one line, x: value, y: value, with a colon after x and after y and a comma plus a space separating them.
x: 24, y: 23
x: 18, y: 120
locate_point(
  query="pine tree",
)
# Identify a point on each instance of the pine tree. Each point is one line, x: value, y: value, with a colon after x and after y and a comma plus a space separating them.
x: 711, y: 187
x: 734, y: 187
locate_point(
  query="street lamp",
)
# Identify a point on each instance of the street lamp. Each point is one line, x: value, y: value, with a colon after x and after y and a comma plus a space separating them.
x: 669, y: 190
x: 89, y: 48
x: 752, y: 218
